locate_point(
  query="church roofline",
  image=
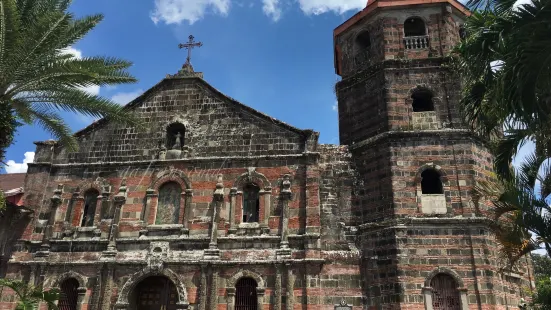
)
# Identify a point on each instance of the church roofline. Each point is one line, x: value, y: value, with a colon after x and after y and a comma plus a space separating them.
x: 97, y: 124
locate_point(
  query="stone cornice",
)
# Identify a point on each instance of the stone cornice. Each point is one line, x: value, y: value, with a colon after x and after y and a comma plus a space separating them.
x: 411, y: 133
x: 306, y: 155
x: 410, y: 221
x: 177, y: 262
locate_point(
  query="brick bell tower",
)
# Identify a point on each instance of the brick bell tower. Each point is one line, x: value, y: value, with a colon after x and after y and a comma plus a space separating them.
x: 425, y: 243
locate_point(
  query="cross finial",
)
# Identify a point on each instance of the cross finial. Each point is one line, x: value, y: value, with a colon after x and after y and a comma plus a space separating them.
x: 189, y: 45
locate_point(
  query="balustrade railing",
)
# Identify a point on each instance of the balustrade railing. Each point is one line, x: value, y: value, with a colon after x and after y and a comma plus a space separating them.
x: 417, y: 42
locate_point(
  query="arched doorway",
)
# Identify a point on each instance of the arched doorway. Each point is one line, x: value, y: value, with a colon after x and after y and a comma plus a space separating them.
x: 155, y: 293
x: 445, y: 295
x: 245, y: 294
x: 68, y: 299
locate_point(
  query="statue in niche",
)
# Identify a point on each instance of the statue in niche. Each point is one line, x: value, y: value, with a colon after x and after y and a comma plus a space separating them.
x: 177, y: 142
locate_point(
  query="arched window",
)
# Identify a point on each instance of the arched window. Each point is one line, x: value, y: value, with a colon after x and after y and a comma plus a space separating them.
x: 445, y: 295
x: 414, y: 27
x: 90, y: 202
x: 431, y: 183
x: 245, y: 294
x: 175, y: 134
x: 251, y: 203
x: 422, y: 100
x: 155, y: 293
x: 168, y: 206
x: 362, y: 45
x: 68, y: 298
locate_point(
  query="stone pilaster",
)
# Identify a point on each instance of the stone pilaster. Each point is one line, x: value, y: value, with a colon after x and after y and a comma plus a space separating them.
x: 55, y: 201
x: 286, y: 195
x: 109, y: 286
x: 188, y: 196
x: 203, y: 288
x: 231, y: 298
x: 212, y: 252
x: 149, y: 195
x: 260, y: 298
x: 267, y: 196
x: 278, y: 289
x: 289, y: 285
x: 233, y: 206
x: 119, y: 200
x: 213, y: 303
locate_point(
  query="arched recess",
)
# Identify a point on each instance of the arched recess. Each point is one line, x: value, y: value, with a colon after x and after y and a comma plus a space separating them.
x: 152, y: 196
x: 246, y: 274
x: 82, y: 280
x: 437, y: 168
x: 415, y: 26
x: 428, y: 290
x: 71, y: 275
x: 432, y: 203
x: 264, y: 199
x: 420, y: 93
x: 76, y: 204
x: 136, y: 278
x: 242, y: 274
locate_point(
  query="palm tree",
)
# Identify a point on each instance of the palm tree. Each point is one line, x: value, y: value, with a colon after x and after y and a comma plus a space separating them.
x: 505, y: 64
x: 30, y: 297
x: 519, y: 208
x: 38, y: 78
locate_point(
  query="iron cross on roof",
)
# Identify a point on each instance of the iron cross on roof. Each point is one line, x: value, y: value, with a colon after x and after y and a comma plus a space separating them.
x: 189, y: 46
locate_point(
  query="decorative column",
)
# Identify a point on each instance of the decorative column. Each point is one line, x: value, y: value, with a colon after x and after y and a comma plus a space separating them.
x: 277, y: 291
x: 260, y: 298
x: 119, y: 200
x: 55, y: 201
x: 212, y: 252
x: 289, y: 285
x: 266, y: 195
x: 213, y: 303
x: 427, y: 294
x: 32, y: 274
x: 203, y: 288
x: 286, y: 195
x: 188, y: 196
x: 105, y: 203
x: 233, y: 204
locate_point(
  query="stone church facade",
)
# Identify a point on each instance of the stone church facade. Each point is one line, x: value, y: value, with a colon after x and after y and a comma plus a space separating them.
x: 215, y: 205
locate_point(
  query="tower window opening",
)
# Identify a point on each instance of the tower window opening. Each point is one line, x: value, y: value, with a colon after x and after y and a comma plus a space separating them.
x: 431, y: 183
x: 414, y: 27
x: 251, y: 203
x: 361, y: 47
x: 175, y: 134
x: 422, y: 101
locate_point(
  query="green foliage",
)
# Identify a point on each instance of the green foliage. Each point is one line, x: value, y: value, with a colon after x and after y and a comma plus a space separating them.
x: 38, y: 78
x: 2, y: 201
x: 542, y: 266
x: 505, y: 64
x: 29, y: 297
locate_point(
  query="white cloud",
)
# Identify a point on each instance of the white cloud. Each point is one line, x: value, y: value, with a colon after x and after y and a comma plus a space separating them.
x: 335, y: 106
x: 124, y: 98
x: 92, y: 90
x: 272, y: 8
x: 317, y: 7
x: 177, y: 11
x: 13, y: 167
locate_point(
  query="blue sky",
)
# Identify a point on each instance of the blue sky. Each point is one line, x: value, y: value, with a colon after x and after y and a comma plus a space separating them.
x: 273, y: 55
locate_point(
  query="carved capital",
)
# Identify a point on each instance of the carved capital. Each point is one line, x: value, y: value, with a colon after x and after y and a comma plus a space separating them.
x: 233, y: 191
x: 219, y: 192
x: 189, y: 193
x: 286, y: 187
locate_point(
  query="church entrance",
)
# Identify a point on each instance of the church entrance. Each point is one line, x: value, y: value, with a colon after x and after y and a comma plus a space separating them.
x: 245, y: 294
x: 156, y: 293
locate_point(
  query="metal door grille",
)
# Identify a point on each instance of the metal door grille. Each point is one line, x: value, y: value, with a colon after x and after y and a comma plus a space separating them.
x: 156, y: 293
x: 445, y: 295
x: 69, y: 295
x: 245, y: 294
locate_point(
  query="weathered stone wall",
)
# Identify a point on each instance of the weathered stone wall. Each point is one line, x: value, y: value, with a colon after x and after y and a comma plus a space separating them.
x: 215, y: 125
